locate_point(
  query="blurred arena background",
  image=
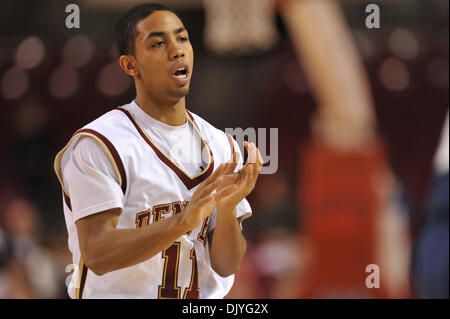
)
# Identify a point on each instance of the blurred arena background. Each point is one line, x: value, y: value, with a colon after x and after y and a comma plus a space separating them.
x: 360, y: 122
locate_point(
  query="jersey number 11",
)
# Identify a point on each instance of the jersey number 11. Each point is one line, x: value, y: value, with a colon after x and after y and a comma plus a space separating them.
x: 169, y: 288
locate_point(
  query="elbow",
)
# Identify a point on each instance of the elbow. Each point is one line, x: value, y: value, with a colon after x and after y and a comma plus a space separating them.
x: 93, y: 264
x: 225, y: 271
x: 227, y: 264
x: 97, y: 271
x: 225, y: 274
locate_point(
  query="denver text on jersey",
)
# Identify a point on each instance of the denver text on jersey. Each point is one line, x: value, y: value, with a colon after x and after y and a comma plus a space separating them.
x: 153, y: 195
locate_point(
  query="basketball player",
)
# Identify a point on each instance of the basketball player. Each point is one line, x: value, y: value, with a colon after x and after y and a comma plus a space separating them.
x: 154, y: 196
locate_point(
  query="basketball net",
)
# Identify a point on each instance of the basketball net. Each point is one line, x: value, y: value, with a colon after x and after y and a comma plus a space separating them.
x: 240, y: 27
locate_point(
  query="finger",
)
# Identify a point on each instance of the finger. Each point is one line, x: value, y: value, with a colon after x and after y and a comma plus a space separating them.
x: 217, y: 173
x: 246, y: 145
x: 233, y: 157
x: 251, y: 150
x: 229, y: 179
x: 208, y: 203
x: 233, y: 194
x: 227, y: 191
x: 243, y: 174
x: 206, y: 200
x: 254, y: 153
x: 232, y: 163
x: 210, y: 183
x: 238, y: 156
x: 209, y: 188
x: 254, y: 160
x: 228, y: 167
x: 231, y: 200
x: 255, y: 175
x: 249, y: 180
x: 254, y: 170
x: 259, y: 159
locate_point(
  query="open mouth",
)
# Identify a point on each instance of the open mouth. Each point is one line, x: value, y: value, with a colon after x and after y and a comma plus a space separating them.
x: 181, y: 73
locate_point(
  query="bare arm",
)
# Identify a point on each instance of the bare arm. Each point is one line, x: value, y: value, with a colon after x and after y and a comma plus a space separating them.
x: 228, y: 244
x: 334, y: 70
x: 105, y: 248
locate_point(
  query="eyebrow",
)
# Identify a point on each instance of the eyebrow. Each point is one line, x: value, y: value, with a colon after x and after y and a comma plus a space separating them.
x: 162, y: 33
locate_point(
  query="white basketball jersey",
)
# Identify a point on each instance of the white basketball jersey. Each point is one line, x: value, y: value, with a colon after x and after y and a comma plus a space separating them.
x: 154, y: 187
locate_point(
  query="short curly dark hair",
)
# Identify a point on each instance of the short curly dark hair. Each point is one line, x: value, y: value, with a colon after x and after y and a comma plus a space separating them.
x: 125, y: 31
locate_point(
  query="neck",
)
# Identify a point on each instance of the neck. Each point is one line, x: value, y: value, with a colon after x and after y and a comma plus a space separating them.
x: 169, y: 112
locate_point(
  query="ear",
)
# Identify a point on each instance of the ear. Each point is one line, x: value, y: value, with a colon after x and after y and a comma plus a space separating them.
x: 129, y: 65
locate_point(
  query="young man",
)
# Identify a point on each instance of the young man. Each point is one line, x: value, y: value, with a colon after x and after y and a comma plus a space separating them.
x: 154, y: 196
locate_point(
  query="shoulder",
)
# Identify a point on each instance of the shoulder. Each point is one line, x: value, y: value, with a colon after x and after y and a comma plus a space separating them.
x: 112, y: 120
x: 112, y: 127
x: 110, y: 133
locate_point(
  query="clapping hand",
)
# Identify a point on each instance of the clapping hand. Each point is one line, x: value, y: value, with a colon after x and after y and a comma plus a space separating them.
x: 235, y: 186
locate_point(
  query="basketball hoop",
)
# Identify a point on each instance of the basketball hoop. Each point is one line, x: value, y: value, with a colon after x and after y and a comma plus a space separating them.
x: 240, y: 27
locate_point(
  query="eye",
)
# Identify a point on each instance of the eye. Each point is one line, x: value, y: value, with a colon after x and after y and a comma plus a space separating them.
x: 183, y: 39
x: 158, y: 44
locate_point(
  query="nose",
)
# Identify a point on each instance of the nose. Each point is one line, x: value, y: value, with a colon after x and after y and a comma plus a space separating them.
x: 176, y: 53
